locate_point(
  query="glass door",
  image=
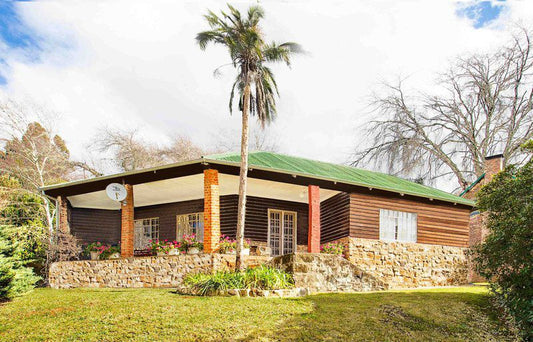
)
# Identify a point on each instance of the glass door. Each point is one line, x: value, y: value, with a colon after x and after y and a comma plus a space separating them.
x: 281, y: 232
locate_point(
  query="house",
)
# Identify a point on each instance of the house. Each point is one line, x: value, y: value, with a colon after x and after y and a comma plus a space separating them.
x: 404, y: 232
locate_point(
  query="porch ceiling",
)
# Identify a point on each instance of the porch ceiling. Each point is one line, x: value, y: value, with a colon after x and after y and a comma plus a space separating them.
x: 192, y: 187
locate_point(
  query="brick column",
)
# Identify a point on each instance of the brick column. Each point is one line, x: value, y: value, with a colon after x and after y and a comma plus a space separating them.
x: 313, y: 234
x: 493, y: 165
x: 62, y: 214
x: 211, y: 211
x: 126, y: 227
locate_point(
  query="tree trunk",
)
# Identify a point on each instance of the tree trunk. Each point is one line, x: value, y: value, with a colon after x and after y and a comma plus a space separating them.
x: 243, y: 177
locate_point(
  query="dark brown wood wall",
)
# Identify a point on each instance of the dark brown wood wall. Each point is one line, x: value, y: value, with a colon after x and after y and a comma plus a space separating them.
x: 104, y: 225
x: 256, y: 225
x: 90, y: 225
x: 438, y: 223
x: 335, y: 217
x: 167, y: 215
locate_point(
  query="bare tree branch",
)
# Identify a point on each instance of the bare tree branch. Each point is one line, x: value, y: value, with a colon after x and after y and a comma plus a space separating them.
x: 485, y: 107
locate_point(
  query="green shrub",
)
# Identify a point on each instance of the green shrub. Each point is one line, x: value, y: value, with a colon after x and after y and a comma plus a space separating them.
x: 267, y: 278
x: 15, y: 277
x: 336, y: 248
x: 205, y: 284
x: 263, y: 278
x: 506, y: 257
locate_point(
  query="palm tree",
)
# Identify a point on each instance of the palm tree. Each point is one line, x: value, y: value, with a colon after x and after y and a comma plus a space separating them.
x: 254, y: 83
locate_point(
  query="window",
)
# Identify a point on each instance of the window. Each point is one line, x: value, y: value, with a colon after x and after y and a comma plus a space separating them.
x: 145, y: 230
x: 190, y: 224
x: 397, y: 226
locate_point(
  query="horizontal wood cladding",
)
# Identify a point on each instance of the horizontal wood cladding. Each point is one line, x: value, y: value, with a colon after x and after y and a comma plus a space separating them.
x: 167, y: 215
x: 335, y: 217
x: 90, y: 225
x: 104, y: 225
x: 438, y: 223
x: 256, y: 222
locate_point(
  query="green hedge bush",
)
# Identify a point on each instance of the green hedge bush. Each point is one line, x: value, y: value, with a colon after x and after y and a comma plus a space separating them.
x: 15, y: 277
x: 506, y: 255
x: 263, y: 278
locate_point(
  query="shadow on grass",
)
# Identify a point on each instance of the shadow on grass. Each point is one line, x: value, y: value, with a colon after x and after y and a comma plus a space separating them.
x: 392, y: 316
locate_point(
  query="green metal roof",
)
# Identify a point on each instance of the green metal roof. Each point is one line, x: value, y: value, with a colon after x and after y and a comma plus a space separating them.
x: 341, y: 173
x: 472, y: 185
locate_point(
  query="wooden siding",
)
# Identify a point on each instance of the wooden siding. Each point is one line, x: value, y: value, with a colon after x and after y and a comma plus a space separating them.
x: 335, y: 217
x: 438, y: 223
x: 167, y: 215
x: 104, y: 225
x: 90, y: 225
x: 256, y: 223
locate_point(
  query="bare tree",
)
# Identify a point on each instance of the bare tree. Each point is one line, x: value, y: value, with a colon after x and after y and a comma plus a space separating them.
x: 484, y: 106
x: 181, y: 149
x: 130, y: 152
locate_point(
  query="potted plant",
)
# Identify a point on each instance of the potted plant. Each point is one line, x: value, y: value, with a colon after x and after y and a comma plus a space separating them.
x: 175, y: 248
x: 109, y: 252
x: 165, y: 247
x: 157, y: 247
x: 113, y: 252
x: 94, y: 249
x: 226, y: 245
x: 191, y: 244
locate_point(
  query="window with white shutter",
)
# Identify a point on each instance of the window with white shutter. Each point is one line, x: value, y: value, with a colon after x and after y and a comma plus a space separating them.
x: 397, y: 226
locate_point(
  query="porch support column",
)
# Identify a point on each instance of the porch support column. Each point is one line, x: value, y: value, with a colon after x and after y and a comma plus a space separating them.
x: 126, y: 227
x: 211, y: 211
x: 313, y: 234
x: 62, y: 214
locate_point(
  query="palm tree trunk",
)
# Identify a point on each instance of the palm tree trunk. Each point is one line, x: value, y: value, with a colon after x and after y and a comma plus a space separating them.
x: 243, y: 178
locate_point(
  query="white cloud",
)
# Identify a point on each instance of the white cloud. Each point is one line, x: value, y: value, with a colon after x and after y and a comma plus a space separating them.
x: 135, y: 63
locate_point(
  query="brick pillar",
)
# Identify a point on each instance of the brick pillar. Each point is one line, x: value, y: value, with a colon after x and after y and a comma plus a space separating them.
x: 313, y: 235
x: 211, y: 211
x: 493, y: 165
x: 126, y: 226
x: 62, y: 214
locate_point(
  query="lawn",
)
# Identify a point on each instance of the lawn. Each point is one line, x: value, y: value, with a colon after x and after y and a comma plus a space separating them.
x: 452, y: 314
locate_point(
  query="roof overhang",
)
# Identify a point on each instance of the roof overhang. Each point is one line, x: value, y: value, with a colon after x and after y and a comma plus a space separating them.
x: 197, y: 166
x: 191, y: 188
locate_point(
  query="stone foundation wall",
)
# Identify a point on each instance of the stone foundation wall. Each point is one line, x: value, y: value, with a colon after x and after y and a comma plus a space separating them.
x: 407, y: 265
x: 326, y: 273
x: 157, y: 271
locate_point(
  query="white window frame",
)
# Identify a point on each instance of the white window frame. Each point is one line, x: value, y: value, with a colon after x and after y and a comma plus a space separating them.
x: 148, y: 223
x: 295, y: 238
x: 199, y: 218
x: 398, y: 223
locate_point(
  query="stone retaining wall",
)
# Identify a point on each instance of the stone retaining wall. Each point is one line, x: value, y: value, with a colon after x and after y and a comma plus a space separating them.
x: 157, y: 271
x: 326, y: 273
x: 406, y: 265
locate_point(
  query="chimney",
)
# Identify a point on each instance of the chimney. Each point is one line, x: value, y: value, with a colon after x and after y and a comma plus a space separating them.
x: 493, y: 165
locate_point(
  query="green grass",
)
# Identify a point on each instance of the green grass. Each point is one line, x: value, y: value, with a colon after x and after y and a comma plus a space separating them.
x: 453, y: 314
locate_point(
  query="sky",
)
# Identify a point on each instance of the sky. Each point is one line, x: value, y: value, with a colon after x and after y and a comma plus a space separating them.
x: 135, y: 64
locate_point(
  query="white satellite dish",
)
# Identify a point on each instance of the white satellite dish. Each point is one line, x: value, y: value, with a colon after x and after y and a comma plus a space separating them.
x: 117, y: 192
